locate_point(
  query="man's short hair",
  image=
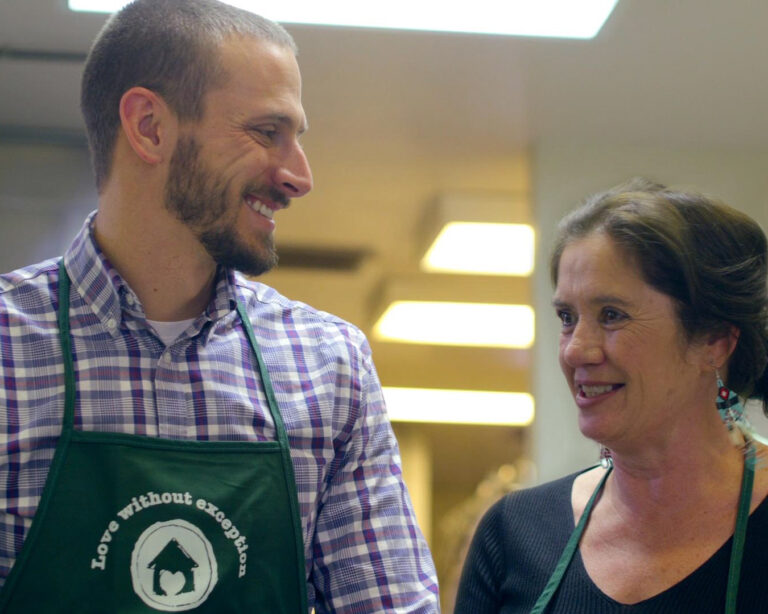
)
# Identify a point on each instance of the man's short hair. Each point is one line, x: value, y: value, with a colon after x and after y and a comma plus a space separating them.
x: 168, y: 46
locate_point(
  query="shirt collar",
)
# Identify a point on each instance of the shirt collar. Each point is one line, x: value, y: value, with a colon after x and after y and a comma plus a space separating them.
x: 110, y: 297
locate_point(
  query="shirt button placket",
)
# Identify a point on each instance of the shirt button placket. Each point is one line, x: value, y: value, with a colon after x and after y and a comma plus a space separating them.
x: 164, y: 395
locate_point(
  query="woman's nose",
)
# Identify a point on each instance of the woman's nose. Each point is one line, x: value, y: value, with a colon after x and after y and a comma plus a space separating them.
x: 583, y: 346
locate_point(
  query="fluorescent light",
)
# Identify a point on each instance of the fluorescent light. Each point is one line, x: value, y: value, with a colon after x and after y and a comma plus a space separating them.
x: 459, y: 406
x: 97, y: 6
x: 447, y: 323
x: 554, y: 18
x: 482, y: 249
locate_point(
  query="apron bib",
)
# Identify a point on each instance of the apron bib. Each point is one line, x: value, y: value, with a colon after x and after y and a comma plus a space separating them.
x: 737, y: 549
x: 128, y: 523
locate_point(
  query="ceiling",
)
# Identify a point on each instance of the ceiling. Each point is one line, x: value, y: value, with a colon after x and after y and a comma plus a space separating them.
x: 396, y: 117
x: 660, y: 71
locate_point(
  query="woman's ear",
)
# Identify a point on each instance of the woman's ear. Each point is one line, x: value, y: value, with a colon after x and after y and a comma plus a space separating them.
x: 720, y: 346
x: 147, y: 123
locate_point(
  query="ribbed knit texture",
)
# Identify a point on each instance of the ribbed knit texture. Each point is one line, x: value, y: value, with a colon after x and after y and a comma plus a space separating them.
x: 519, y: 541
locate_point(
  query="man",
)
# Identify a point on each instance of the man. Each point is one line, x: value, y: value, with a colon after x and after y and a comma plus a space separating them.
x: 176, y: 437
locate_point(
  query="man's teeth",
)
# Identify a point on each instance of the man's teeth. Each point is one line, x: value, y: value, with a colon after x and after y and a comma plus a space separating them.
x: 593, y: 391
x: 260, y: 207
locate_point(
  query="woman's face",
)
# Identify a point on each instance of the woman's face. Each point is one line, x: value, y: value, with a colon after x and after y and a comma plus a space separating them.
x: 622, y: 349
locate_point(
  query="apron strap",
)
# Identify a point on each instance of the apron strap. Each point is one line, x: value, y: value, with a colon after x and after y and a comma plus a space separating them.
x: 62, y: 447
x: 565, y: 558
x: 66, y: 350
x: 737, y: 550
x: 282, y: 438
x: 740, y: 533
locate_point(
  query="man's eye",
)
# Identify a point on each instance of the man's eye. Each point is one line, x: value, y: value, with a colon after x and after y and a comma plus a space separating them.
x: 268, y: 132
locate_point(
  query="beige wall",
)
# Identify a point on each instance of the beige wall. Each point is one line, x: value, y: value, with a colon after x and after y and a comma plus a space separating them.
x: 45, y: 192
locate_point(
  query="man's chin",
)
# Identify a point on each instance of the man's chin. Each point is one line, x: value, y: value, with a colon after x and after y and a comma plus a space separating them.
x: 247, y: 263
x: 229, y: 253
x: 253, y: 269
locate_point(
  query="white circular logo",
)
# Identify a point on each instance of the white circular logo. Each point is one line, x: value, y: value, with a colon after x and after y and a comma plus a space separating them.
x: 173, y: 567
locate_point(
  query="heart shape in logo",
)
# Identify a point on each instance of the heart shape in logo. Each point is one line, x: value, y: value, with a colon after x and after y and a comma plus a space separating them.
x: 172, y: 583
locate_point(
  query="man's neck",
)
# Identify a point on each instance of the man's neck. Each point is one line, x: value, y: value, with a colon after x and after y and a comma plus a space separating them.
x: 158, y: 257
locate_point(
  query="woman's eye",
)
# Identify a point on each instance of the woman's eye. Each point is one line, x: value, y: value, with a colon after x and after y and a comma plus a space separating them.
x: 612, y: 315
x: 566, y: 318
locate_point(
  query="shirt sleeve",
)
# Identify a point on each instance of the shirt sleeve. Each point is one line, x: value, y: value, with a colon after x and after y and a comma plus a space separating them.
x: 368, y: 552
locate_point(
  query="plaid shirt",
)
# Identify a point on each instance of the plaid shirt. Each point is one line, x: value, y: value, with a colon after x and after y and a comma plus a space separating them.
x: 363, y: 549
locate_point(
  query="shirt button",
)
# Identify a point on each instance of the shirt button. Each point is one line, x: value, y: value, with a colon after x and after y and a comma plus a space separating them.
x: 111, y: 324
x: 129, y: 299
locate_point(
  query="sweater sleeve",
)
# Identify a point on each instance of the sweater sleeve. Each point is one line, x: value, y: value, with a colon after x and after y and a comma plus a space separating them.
x: 484, y: 567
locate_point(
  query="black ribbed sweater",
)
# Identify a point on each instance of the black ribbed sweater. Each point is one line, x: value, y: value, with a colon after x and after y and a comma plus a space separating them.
x: 519, y: 541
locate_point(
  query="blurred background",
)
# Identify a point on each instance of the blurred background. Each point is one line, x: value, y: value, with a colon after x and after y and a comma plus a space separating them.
x: 410, y: 130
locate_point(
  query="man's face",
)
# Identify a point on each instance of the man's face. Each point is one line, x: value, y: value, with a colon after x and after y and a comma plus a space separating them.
x: 203, y: 199
x: 232, y: 171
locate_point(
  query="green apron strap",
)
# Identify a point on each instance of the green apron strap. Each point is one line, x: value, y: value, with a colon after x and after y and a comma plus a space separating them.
x: 282, y: 437
x: 66, y: 433
x: 737, y: 551
x: 268, y: 390
x: 66, y: 349
x: 570, y: 548
x: 740, y: 533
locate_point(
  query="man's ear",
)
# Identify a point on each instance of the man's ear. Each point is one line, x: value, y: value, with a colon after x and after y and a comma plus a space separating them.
x: 148, y: 124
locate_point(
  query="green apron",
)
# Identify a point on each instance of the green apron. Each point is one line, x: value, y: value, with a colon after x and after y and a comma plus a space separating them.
x: 128, y: 523
x: 737, y: 549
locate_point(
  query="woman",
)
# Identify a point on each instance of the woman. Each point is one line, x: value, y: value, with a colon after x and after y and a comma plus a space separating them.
x: 661, y: 297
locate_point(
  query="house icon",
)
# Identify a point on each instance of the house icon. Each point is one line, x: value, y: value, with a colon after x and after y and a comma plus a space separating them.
x: 173, y: 559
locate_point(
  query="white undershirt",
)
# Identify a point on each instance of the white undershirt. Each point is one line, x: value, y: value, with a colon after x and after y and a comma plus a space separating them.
x: 170, y: 331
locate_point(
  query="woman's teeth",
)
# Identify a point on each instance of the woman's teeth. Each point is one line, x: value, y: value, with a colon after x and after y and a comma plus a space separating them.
x: 593, y: 391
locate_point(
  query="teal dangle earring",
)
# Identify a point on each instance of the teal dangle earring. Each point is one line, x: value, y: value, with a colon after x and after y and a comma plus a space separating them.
x: 728, y: 405
x: 733, y: 415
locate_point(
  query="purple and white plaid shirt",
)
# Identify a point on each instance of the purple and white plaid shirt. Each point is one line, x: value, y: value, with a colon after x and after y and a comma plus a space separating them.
x: 364, y: 552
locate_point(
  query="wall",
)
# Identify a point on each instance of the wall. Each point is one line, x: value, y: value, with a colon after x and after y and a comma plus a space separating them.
x: 45, y: 193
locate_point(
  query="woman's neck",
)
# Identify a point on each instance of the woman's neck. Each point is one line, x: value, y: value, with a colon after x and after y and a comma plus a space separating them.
x: 683, y: 473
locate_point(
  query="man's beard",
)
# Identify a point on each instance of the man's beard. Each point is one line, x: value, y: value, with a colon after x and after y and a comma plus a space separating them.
x: 199, y: 199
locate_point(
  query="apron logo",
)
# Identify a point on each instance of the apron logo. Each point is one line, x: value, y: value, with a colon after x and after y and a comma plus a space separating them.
x: 173, y: 567
x: 151, y: 499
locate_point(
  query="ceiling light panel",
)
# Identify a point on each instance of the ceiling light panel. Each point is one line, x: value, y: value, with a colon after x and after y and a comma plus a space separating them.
x: 478, y: 248
x: 549, y: 18
x: 451, y: 323
x: 459, y: 406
